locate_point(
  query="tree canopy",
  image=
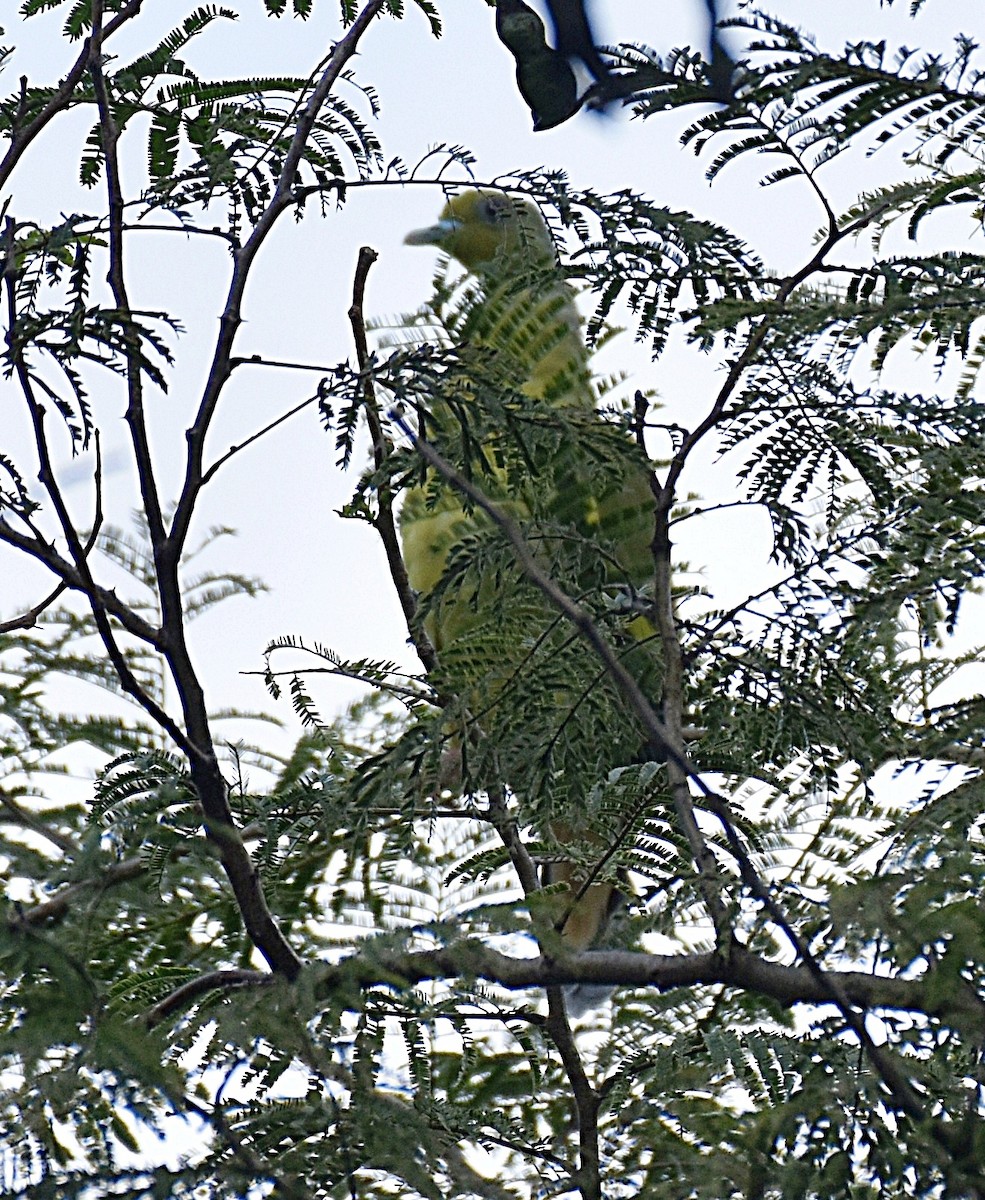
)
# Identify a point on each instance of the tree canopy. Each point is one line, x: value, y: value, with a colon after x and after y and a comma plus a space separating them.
x: 336, y: 970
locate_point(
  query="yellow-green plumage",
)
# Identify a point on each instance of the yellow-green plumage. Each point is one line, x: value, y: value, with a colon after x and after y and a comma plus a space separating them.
x: 585, y: 503
x: 528, y: 315
x: 528, y: 310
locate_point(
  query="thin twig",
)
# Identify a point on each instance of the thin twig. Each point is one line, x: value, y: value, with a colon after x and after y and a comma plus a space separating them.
x: 209, y: 472
x: 384, y: 522
x: 211, y: 981
x: 29, y: 619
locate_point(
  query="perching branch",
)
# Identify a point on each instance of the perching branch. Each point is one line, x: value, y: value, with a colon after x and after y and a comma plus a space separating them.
x: 739, y: 969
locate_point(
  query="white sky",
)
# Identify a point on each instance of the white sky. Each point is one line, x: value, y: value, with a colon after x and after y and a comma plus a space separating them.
x: 328, y: 577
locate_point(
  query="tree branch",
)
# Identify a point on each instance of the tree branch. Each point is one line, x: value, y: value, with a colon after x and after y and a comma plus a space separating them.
x: 212, y: 981
x: 284, y: 194
x: 64, y: 94
x: 739, y: 969
x: 196, y: 740
x: 586, y: 1099
x: 72, y: 578
x: 255, y: 437
x: 110, y: 137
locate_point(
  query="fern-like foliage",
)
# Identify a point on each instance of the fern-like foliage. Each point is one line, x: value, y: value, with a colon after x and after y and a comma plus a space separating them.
x: 829, y: 826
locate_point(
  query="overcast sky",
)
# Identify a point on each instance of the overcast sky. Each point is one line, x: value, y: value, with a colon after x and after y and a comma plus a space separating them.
x: 327, y: 576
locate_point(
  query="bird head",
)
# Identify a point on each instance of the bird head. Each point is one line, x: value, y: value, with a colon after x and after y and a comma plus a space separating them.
x: 488, y: 232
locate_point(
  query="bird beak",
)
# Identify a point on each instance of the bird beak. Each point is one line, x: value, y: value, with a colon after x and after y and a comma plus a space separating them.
x: 433, y: 235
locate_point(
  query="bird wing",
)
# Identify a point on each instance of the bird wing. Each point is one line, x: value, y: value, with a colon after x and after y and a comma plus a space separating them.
x: 584, y: 506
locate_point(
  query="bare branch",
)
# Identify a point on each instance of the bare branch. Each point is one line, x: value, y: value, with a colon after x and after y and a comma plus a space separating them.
x: 29, y: 619
x: 136, y: 423
x: 255, y: 437
x: 384, y: 521
x: 284, y: 195
x: 739, y: 968
x: 71, y: 577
